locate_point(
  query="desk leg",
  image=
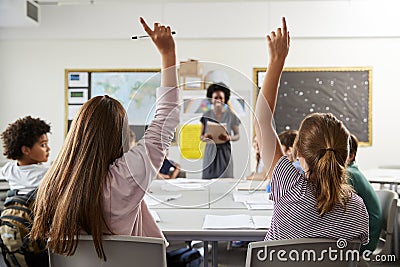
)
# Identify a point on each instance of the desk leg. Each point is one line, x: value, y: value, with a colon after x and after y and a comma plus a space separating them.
x: 215, y: 253
x: 205, y: 246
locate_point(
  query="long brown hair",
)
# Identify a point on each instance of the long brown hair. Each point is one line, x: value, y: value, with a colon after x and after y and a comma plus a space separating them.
x: 70, y: 197
x: 323, y: 141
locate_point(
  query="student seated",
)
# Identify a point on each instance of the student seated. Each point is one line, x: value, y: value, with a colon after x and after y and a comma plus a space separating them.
x: 25, y: 142
x: 365, y: 190
x: 261, y: 170
x: 320, y: 203
x: 287, y: 140
x: 97, y: 184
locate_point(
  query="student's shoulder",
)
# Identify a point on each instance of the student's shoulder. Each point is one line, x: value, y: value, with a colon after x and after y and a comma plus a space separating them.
x: 284, y: 168
x: 34, y: 169
x: 356, y: 202
x: 284, y: 162
x: 8, y: 167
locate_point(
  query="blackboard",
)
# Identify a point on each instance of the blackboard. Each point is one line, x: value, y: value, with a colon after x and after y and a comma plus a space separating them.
x: 344, y: 92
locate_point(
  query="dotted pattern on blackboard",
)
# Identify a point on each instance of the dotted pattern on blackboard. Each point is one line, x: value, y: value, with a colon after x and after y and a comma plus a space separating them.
x: 344, y: 94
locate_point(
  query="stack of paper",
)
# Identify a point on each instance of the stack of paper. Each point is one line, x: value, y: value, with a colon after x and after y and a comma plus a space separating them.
x: 239, y: 221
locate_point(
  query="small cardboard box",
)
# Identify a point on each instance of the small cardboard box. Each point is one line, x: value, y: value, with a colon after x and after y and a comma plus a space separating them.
x: 189, y: 68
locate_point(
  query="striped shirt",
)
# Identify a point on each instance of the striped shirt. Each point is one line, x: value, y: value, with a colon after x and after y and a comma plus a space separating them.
x: 295, y: 214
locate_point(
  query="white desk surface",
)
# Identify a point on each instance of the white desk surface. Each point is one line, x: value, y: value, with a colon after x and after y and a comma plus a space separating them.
x: 383, y: 176
x: 221, y: 193
x: 180, y: 220
x: 189, y: 199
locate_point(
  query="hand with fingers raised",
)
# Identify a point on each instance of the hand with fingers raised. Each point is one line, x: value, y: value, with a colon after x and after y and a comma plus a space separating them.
x: 278, y: 43
x: 161, y: 36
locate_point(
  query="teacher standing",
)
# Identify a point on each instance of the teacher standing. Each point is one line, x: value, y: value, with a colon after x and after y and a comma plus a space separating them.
x: 217, y: 160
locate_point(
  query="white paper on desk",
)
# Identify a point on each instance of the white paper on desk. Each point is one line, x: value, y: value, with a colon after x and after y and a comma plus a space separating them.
x: 215, y: 130
x: 155, y: 216
x: 258, y: 197
x: 154, y: 200
x: 240, y: 196
x: 240, y: 221
x: 183, y: 187
x: 188, y: 181
x: 262, y: 206
x: 262, y: 222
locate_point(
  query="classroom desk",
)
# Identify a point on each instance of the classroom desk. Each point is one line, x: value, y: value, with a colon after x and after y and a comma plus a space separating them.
x: 221, y: 192
x: 183, y: 222
x: 384, y: 176
x: 188, y: 226
x: 187, y: 198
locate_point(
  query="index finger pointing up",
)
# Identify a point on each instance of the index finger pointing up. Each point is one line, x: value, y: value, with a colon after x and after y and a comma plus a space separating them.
x: 145, y: 26
x: 284, y: 27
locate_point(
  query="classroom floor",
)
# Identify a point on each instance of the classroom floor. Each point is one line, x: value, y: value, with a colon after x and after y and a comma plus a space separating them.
x: 236, y: 257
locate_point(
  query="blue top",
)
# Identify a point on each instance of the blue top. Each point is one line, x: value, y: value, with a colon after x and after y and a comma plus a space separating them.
x: 166, y: 166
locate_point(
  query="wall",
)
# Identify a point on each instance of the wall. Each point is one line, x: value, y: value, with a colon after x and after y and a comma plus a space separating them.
x: 324, y: 34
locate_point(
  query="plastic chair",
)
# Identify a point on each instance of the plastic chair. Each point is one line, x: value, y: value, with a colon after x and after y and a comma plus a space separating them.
x: 303, y: 252
x: 120, y: 251
x: 388, y: 200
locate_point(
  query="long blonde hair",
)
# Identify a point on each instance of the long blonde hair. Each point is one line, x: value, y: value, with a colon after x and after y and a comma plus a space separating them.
x: 323, y: 141
x: 70, y: 197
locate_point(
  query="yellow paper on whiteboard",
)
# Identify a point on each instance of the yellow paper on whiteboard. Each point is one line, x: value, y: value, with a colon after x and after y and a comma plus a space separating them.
x: 189, y: 142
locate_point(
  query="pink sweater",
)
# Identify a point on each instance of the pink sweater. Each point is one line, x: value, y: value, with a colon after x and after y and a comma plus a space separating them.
x: 125, y: 211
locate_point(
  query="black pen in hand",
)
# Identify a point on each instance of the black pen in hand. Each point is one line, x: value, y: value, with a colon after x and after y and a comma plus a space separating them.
x: 144, y: 36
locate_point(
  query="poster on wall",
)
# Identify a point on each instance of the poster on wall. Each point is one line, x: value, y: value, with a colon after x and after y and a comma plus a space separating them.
x: 344, y: 92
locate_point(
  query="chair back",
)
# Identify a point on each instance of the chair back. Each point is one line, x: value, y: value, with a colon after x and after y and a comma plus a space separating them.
x: 119, y: 250
x: 388, y: 201
x: 303, y: 252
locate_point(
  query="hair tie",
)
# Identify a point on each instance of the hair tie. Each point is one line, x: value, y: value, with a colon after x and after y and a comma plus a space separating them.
x: 329, y: 149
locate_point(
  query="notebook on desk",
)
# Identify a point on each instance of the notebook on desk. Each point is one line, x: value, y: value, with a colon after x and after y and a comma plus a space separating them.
x: 237, y: 221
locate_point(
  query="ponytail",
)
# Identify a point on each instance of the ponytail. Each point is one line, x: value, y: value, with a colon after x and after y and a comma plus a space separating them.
x: 332, y: 191
x: 323, y: 142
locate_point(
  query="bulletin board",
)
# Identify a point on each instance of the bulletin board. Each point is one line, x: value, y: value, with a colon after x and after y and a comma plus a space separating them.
x: 344, y: 92
x: 134, y: 88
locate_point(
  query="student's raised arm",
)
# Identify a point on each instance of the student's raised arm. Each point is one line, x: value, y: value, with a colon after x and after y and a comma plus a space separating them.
x: 270, y: 147
x: 145, y: 159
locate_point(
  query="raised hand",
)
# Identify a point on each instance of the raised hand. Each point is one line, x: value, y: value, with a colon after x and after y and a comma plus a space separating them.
x: 278, y: 46
x: 278, y: 43
x: 161, y: 36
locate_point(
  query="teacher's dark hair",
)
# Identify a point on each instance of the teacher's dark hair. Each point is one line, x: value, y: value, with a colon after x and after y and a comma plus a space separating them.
x: 215, y: 87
